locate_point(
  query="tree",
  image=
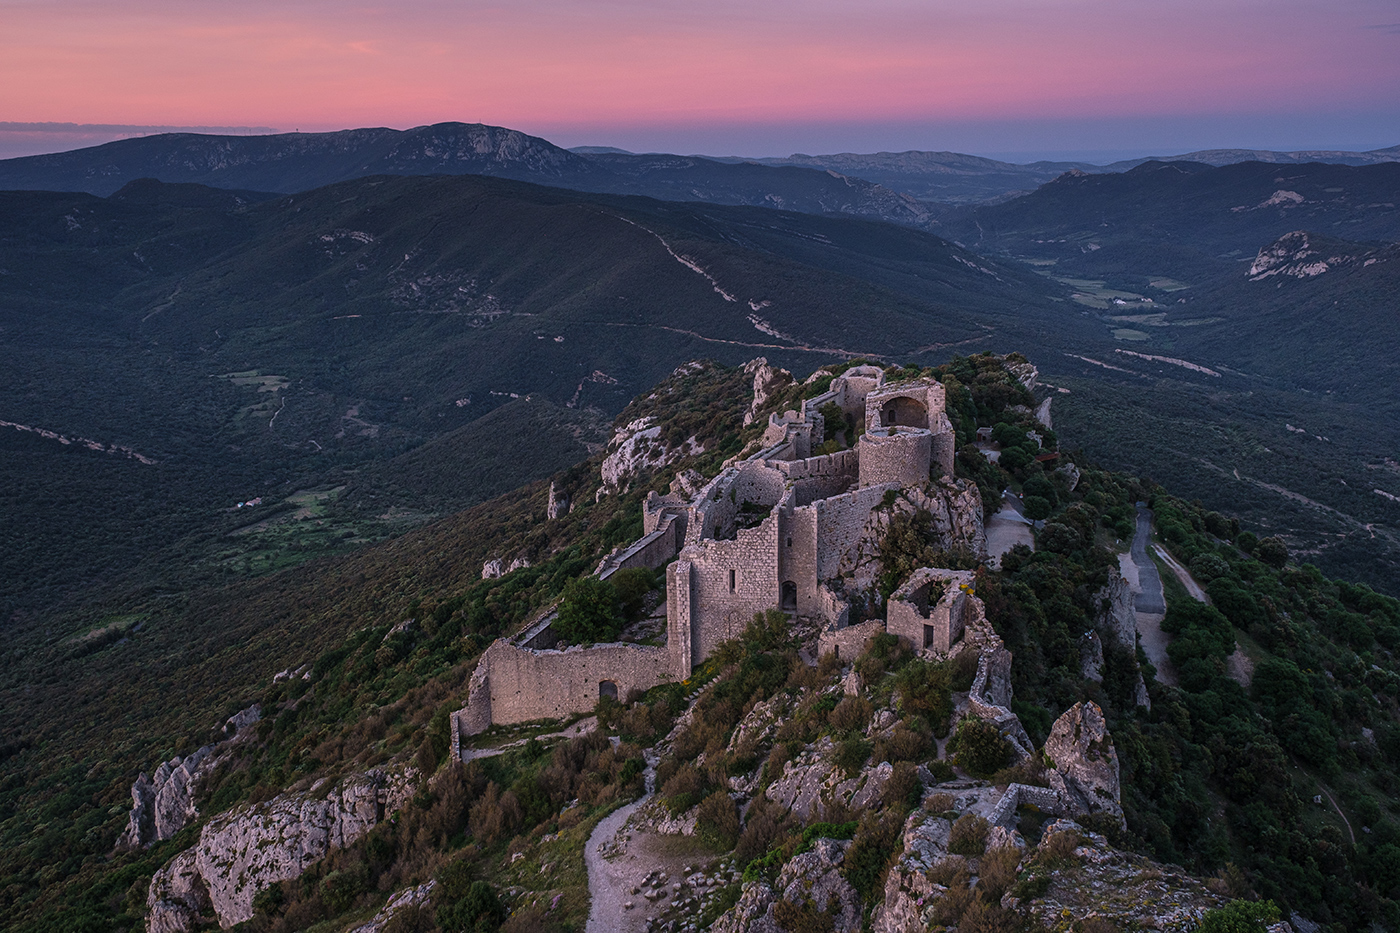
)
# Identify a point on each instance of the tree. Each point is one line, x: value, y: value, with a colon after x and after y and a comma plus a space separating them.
x: 588, y: 612
x: 1272, y: 551
x: 1037, y: 507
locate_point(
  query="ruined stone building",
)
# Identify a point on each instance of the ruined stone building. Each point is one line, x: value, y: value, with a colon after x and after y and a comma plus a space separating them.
x: 781, y: 528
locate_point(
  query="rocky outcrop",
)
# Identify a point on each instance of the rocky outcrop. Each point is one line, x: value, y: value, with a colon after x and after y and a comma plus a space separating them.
x: 1303, y: 255
x: 639, y: 446
x: 243, y: 851
x: 1086, y: 764
x: 1126, y: 890
x: 811, y: 783
x: 164, y: 804
x: 907, y: 886
x: 558, y: 505
x: 766, y: 381
x: 404, y: 900
x: 811, y: 883
x: 954, y: 510
x: 1118, y: 616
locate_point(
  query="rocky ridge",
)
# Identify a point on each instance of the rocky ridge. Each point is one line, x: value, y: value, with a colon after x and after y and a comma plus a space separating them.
x: 164, y: 804
x: 242, y: 851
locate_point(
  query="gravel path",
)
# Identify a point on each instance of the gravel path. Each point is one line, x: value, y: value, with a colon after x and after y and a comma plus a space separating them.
x: 1006, y: 529
x: 582, y: 727
x: 610, y: 883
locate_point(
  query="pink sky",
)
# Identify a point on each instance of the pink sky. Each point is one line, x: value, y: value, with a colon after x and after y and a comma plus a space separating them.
x: 627, y: 71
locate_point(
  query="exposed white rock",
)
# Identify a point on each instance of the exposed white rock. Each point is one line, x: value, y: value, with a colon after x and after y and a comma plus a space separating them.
x: 639, y: 446
x: 811, y: 880
x: 164, y: 804
x: 558, y: 505
x: 409, y: 897
x: 766, y: 381
x: 243, y: 851
x: 1086, y: 763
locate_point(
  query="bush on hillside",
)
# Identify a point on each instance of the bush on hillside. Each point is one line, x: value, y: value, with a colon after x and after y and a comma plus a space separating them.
x: 589, y: 612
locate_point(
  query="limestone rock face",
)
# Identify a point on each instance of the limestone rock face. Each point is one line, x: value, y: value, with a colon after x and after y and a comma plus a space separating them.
x: 1086, y: 764
x: 178, y: 897
x: 766, y: 381
x: 558, y: 503
x: 1119, y: 616
x: 811, y: 782
x: 639, y: 446
x: 811, y: 881
x: 164, y: 804
x: 955, y: 510
x: 907, y: 887
x: 405, y: 899
x: 241, y: 852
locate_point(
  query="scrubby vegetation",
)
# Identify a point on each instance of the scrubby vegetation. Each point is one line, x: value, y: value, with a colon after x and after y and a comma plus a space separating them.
x: 1220, y: 776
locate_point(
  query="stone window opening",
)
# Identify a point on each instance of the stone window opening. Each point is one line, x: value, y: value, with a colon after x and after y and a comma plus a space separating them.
x: 904, y: 411
x: 789, y: 541
x: 606, y: 688
x: 788, y: 595
x: 733, y: 579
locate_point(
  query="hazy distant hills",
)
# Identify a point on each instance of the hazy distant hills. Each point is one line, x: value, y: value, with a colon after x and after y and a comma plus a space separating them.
x: 292, y: 162
x: 957, y: 178
x: 1297, y: 157
x: 1182, y: 219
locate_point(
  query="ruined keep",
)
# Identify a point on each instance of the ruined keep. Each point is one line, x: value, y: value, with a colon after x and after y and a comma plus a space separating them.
x: 781, y: 528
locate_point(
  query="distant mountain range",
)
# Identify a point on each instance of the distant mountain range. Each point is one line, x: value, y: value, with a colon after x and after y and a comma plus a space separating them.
x: 957, y: 178
x: 290, y: 162
x: 911, y: 188
x: 1182, y: 219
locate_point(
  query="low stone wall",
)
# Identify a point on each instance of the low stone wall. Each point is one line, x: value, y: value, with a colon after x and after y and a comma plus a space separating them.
x: 514, y: 685
x: 832, y: 608
x: 848, y: 643
x: 1018, y: 795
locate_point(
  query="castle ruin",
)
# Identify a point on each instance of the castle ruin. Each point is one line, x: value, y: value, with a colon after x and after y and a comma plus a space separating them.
x: 782, y: 528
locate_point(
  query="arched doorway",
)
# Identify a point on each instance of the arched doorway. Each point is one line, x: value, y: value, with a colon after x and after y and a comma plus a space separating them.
x: 788, y: 595
x: 607, y: 689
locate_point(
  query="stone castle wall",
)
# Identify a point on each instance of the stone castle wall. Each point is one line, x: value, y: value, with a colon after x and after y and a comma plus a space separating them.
x: 924, y: 623
x: 840, y: 523
x: 902, y: 457
x: 816, y: 529
x: 524, y: 684
x: 848, y: 643
x: 730, y: 581
x: 650, y: 551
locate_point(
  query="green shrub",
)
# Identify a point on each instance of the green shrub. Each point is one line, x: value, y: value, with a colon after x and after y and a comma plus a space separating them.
x: 718, y: 821
x: 588, y: 612
x: 852, y: 754
x: 1239, y: 917
x: 979, y: 748
x: 969, y: 836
